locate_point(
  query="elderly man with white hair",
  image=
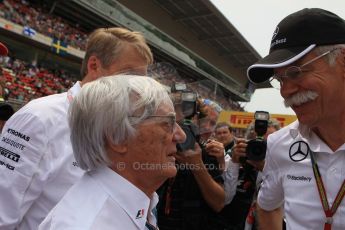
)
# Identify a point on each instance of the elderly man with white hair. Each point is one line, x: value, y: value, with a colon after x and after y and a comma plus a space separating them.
x: 124, y: 135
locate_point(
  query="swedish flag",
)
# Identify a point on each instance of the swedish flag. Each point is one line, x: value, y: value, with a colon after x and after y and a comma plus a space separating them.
x: 59, y: 47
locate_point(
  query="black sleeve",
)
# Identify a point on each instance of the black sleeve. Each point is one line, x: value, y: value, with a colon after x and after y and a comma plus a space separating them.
x: 212, y: 165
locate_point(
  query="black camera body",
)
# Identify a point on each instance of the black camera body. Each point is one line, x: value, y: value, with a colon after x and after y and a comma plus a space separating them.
x: 256, y: 148
x: 192, y: 136
x: 188, y: 106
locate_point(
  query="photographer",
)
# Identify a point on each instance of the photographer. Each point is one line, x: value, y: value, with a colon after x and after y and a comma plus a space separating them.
x: 192, y: 199
x: 243, y: 169
x: 272, y: 126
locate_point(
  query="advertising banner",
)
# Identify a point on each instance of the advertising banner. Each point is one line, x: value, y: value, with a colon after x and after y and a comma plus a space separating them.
x: 243, y: 119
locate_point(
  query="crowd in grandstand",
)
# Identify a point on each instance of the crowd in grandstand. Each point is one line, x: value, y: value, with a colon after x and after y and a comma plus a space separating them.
x: 25, y: 82
x: 20, y: 12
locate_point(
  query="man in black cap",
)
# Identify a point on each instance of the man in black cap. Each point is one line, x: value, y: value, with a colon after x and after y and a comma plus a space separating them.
x: 305, y: 161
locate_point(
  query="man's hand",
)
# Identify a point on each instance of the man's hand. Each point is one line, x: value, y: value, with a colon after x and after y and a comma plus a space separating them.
x: 239, y: 150
x: 270, y: 220
x: 216, y: 149
x: 258, y: 165
x: 190, y: 156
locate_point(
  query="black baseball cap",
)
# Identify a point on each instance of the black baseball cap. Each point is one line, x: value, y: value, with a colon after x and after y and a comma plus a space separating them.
x: 295, y: 36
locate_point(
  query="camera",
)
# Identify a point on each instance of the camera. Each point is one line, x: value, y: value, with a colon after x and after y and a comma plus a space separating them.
x: 188, y: 106
x: 192, y: 136
x: 256, y: 148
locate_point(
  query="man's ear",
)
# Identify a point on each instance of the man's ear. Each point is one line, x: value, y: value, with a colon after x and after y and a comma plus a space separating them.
x: 117, y: 148
x: 94, y: 67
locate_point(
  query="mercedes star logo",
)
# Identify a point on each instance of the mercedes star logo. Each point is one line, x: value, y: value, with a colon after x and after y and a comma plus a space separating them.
x: 299, y: 151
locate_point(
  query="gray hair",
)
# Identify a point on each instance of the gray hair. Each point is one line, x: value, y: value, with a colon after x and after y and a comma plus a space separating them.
x: 330, y: 58
x: 274, y: 123
x: 107, y: 111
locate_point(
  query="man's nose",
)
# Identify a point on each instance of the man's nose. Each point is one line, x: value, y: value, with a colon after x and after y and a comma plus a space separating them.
x: 288, y: 88
x: 179, y: 135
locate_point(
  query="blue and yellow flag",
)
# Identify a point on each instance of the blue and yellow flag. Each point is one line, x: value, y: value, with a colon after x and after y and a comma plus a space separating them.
x: 59, y: 47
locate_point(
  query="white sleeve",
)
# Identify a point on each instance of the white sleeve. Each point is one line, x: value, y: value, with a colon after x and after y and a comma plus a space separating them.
x: 271, y: 193
x: 22, y: 146
x: 230, y: 177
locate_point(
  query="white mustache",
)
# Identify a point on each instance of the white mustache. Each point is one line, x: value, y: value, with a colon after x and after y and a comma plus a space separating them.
x: 300, y: 98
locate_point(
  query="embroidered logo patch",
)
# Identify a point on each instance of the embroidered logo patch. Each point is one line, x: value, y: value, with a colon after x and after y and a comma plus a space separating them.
x: 299, y: 151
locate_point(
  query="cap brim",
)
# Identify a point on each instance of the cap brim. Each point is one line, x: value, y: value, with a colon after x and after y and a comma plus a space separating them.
x: 263, y: 69
x: 3, y: 49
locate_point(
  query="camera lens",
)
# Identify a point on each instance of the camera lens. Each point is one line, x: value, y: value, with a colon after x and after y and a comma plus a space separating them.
x: 256, y: 149
x: 190, y: 138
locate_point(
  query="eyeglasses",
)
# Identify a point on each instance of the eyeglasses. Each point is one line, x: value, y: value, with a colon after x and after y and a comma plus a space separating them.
x: 294, y: 72
x: 168, y: 120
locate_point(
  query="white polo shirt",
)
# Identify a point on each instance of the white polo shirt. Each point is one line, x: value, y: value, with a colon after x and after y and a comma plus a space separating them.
x: 37, y: 165
x: 102, y: 199
x: 288, y: 178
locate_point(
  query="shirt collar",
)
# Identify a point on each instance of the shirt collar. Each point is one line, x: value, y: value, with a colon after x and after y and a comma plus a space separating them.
x: 230, y: 144
x: 72, y: 92
x: 130, y: 198
x: 316, y: 144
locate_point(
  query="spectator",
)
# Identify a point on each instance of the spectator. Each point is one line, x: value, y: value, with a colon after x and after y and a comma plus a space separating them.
x: 47, y: 168
x: 26, y: 14
x: 26, y: 82
x: 20, y: 12
x: 192, y: 199
x: 223, y: 133
x: 118, y: 189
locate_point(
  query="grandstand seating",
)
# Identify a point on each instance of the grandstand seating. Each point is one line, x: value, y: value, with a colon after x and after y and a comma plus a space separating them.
x: 22, y: 13
x: 24, y: 82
